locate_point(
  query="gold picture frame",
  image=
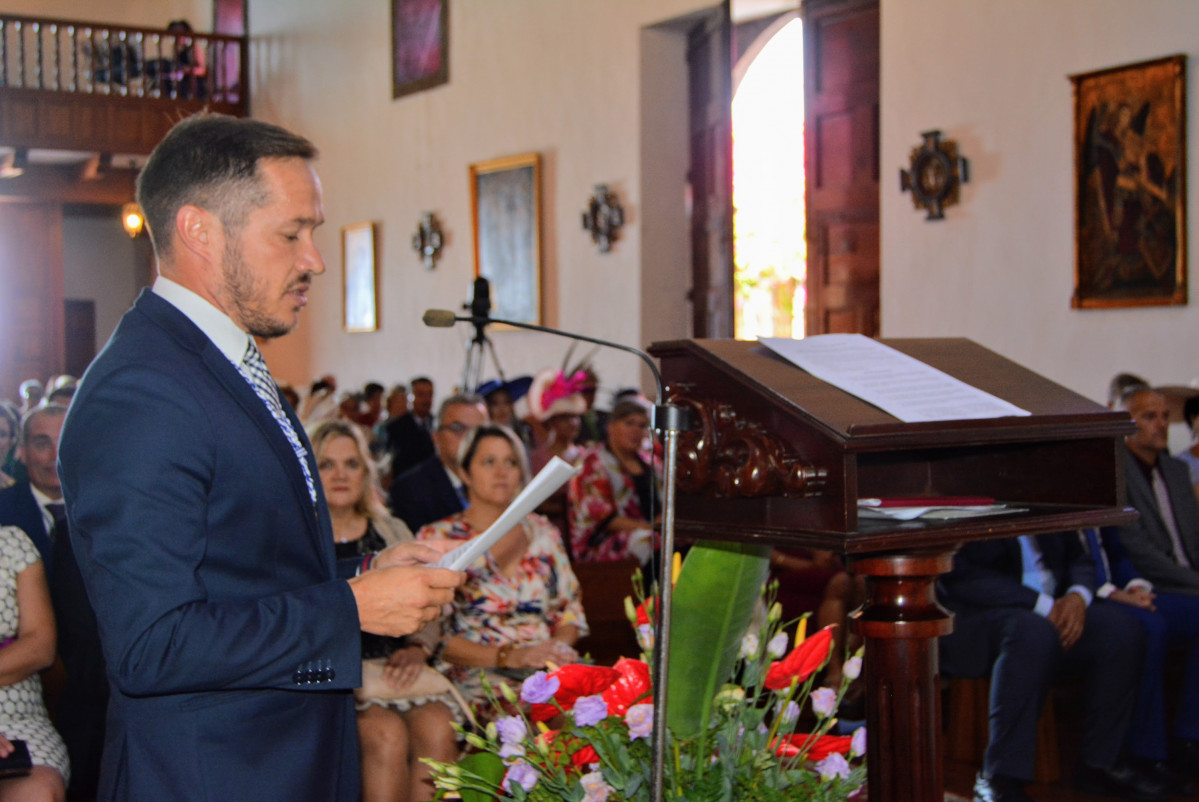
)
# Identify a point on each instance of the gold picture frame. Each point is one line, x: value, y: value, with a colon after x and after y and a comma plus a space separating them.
x: 1130, y: 191
x: 360, y: 277
x: 505, y: 198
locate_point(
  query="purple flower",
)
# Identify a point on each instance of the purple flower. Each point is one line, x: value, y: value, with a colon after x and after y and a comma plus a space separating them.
x: 749, y: 645
x: 521, y: 773
x: 596, y: 789
x: 511, y: 729
x: 539, y: 689
x: 835, y: 765
x: 824, y: 702
x: 789, y: 712
x: 852, y: 667
x: 777, y: 646
x: 511, y: 750
x: 857, y: 746
x: 640, y: 721
x: 590, y: 710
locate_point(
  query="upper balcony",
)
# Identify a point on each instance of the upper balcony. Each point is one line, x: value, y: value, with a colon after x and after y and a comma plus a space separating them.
x: 90, y: 95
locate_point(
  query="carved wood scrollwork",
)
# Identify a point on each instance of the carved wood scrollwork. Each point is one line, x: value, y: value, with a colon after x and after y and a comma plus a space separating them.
x: 730, y: 457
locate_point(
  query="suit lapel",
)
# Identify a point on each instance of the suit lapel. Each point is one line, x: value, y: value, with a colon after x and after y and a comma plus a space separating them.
x: 193, y: 339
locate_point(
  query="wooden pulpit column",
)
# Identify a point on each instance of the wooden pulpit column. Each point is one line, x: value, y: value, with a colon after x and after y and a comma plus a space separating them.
x: 780, y: 457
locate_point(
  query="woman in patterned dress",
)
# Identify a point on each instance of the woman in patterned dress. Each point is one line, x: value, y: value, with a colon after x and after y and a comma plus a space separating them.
x: 27, y: 631
x: 394, y: 733
x: 608, y: 501
x: 519, y: 608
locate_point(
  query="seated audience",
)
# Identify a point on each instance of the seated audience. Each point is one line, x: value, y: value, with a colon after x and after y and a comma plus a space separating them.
x: 1169, y: 619
x: 1119, y: 383
x: 594, y: 421
x: 409, y: 438
x: 433, y: 488
x: 519, y: 608
x: 35, y: 505
x: 500, y: 397
x: 1023, y: 615
x: 609, y: 499
x: 556, y: 403
x: 397, y: 732
x: 394, y: 407
x: 320, y: 403
x: 10, y: 423
x: 288, y: 392
x: 27, y: 629
x: 1190, y: 455
x: 31, y: 392
x: 183, y: 74
x: 1163, y: 543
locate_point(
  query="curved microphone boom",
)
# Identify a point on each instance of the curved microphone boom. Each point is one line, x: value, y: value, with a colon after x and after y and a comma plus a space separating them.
x: 671, y: 420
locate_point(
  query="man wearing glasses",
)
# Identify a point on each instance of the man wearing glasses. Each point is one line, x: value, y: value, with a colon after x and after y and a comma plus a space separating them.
x: 432, y: 490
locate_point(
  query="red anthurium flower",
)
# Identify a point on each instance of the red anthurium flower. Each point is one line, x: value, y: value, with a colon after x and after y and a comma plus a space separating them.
x: 632, y: 688
x: 645, y: 611
x: 802, y: 662
x: 576, y: 680
x: 824, y: 746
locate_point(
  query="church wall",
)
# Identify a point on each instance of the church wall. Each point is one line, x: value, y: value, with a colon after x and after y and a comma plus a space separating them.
x: 561, y: 78
x: 992, y: 74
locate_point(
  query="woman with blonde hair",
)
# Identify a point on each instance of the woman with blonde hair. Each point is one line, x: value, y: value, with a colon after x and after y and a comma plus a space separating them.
x: 400, y: 726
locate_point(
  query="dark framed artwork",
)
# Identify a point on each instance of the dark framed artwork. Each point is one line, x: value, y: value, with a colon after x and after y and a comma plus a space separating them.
x: 420, y: 44
x: 360, y: 277
x: 505, y: 199
x: 1130, y: 193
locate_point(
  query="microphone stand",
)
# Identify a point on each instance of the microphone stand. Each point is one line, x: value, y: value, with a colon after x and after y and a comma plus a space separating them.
x: 671, y: 420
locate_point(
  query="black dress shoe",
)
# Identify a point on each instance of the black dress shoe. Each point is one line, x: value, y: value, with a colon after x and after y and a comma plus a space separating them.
x: 1122, y: 781
x: 999, y: 789
x: 1176, y: 784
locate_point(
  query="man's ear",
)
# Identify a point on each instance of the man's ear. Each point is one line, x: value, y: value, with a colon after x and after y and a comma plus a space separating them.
x: 200, y: 232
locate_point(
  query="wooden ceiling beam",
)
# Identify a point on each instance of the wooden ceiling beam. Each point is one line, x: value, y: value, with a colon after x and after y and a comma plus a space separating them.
x: 62, y: 184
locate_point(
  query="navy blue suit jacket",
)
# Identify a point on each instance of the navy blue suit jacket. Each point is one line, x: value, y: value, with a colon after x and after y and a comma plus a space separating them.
x: 989, y: 574
x: 18, y: 507
x: 231, y: 646
x: 424, y: 494
x: 408, y: 443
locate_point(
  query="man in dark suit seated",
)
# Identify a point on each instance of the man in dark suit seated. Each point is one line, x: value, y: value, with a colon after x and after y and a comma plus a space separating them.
x: 1163, y: 547
x: 409, y: 438
x: 1023, y: 614
x: 33, y: 502
x: 432, y: 490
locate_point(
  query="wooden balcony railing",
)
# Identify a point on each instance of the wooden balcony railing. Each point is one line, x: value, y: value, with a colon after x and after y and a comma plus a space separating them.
x: 60, y: 79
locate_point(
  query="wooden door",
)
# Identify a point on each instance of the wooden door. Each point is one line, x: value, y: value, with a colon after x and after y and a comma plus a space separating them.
x: 710, y: 90
x: 841, y: 142
x: 31, y: 309
x: 80, y: 329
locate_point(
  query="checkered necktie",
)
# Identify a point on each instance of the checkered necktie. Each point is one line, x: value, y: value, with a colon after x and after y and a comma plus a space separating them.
x: 253, y: 368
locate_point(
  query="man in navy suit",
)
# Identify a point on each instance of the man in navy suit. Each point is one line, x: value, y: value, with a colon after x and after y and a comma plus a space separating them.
x: 409, y: 438
x: 30, y: 502
x: 230, y: 634
x: 433, y: 490
x: 1023, y: 613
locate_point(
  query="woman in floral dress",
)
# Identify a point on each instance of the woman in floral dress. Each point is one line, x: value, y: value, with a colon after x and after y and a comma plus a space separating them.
x: 609, y: 499
x: 519, y: 608
x: 27, y: 635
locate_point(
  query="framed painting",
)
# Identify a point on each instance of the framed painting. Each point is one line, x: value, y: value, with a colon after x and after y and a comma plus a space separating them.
x: 1130, y: 185
x: 360, y: 277
x: 420, y: 45
x: 505, y: 199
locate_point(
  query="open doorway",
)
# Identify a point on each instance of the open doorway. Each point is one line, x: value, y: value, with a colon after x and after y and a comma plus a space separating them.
x: 770, y: 253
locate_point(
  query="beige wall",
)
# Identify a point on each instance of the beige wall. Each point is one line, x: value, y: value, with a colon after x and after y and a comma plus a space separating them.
x: 992, y: 74
x: 561, y: 78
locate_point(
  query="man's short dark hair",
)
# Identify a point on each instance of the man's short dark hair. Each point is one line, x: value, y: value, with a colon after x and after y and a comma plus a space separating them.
x: 458, y: 400
x: 421, y: 380
x: 1121, y: 383
x: 211, y: 161
x: 1190, y: 411
x: 372, y: 389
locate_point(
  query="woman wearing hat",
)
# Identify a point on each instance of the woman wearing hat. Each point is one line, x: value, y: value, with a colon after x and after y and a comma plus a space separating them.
x: 501, y: 396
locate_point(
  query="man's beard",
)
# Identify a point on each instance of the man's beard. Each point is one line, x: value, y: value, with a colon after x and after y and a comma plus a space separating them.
x: 239, y: 282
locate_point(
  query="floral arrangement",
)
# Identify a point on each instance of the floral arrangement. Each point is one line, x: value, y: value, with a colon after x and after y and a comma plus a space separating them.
x: 743, y: 742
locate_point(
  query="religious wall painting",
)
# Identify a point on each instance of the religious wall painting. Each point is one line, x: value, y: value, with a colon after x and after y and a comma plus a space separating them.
x: 506, y: 210
x: 420, y: 41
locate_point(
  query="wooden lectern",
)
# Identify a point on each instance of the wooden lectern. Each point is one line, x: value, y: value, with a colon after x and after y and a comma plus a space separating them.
x: 779, y: 457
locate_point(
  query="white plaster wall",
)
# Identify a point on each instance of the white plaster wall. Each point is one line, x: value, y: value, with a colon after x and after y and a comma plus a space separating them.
x: 561, y: 77
x: 992, y: 74
x: 101, y: 264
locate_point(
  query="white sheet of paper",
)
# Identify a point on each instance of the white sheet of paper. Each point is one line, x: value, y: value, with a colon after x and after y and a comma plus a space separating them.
x: 894, y: 382
x: 543, y: 485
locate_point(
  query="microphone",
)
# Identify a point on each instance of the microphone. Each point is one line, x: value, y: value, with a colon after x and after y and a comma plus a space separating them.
x: 444, y: 318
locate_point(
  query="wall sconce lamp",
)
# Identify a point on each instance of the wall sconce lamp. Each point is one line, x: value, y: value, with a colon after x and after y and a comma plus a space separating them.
x: 428, y: 239
x: 603, y: 217
x: 132, y: 219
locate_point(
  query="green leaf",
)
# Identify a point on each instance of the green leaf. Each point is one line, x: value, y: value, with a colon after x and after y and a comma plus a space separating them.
x: 488, y: 767
x: 712, y: 606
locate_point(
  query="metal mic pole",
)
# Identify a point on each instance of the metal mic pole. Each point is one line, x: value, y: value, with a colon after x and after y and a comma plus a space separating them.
x: 670, y: 420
